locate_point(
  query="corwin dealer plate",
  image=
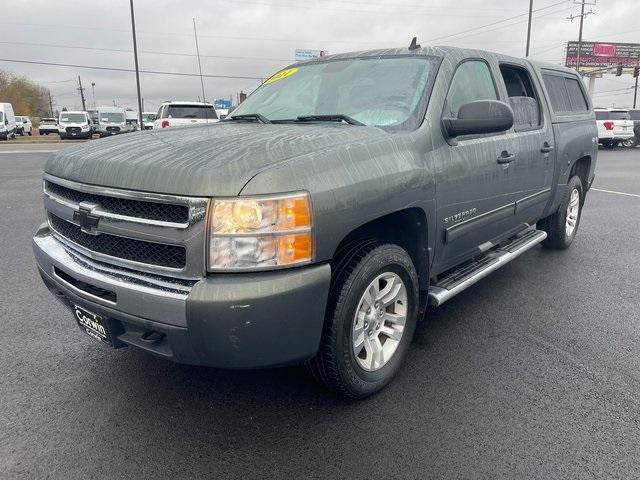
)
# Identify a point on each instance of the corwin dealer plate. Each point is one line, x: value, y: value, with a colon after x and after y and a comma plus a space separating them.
x: 92, y: 324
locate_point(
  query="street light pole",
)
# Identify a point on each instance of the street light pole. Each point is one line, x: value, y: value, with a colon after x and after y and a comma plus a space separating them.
x: 135, y: 56
x: 529, y: 27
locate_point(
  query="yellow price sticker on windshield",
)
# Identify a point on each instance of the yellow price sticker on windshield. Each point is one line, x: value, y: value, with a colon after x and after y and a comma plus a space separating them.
x: 282, y: 74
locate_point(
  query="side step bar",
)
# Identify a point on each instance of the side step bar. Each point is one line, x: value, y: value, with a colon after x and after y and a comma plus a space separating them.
x: 463, y: 277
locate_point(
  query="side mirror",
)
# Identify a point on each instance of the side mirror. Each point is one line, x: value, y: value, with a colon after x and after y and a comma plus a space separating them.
x: 482, y: 116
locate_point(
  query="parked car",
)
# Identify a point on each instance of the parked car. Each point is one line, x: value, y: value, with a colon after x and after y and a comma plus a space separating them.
x: 316, y: 231
x: 7, y: 122
x: 147, y: 119
x: 112, y: 121
x: 47, y: 126
x: 180, y: 114
x: 74, y: 125
x: 132, y: 120
x: 23, y: 125
x: 614, y: 126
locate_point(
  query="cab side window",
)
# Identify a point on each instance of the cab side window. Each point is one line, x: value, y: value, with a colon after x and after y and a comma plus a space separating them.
x: 472, y: 81
x: 522, y: 97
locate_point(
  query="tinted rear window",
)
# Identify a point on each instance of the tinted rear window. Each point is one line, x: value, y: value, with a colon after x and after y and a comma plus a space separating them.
x: 602, y: 115
x: 619, y: 115
x: 191, y: 111
x: 557, y: 93
x: 634, y: 114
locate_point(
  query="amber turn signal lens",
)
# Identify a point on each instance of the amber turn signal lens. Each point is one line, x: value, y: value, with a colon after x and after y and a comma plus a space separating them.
x: 293, y: 213
x: 294, y: 248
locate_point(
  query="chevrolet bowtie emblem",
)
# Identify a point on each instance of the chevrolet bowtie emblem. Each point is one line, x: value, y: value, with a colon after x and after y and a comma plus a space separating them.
x: 86, y: 219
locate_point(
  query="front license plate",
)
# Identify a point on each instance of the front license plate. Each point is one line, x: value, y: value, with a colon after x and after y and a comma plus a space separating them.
x: 92, y: 324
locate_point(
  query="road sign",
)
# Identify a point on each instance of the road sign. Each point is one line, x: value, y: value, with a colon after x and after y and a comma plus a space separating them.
x: 597, y: 55
x: 306, y: 54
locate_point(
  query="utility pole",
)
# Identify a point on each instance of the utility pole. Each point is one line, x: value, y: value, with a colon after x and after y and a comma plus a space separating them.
x: 582, y: 15
x: 195, y: 34
x: 84, y: 106
x: 93, y: 93
x: 50, y: 104
x: 635, y: 90
x: 135, y: 56
x: 529, y: 27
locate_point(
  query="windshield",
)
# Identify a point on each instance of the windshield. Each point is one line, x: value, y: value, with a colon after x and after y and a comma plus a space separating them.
x: 375, y: 91
x: 73, y: 118
x: 191, y: 111
x: 49, y: 121
x: 112, y: 117
x: 621, y: 115
x: 148, y: 117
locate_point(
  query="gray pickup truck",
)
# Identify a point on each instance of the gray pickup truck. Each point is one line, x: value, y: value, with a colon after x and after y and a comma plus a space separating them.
x: 317, y: 223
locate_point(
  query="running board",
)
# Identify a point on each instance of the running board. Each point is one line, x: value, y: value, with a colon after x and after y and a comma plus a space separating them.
x: 466, y: 275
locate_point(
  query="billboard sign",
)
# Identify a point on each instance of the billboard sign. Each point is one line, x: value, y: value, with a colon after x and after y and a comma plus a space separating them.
x: 306, y: 54
x: 222, y: 104
x: 598, y: 55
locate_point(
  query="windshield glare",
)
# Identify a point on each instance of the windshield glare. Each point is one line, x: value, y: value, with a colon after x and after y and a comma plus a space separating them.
x: 73, y: 118
x: 113, y: 117
x: 148, y: 117
x: 376, y: 91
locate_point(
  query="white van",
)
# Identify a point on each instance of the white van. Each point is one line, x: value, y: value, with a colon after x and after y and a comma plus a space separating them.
x: 7, y: 122
x: 132, y: 120
x: 147, y: 120
x: 112, y: 121
x: 177, y: 114
x: 74, y: 125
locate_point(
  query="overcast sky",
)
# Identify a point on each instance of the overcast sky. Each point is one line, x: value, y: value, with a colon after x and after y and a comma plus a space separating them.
x: 261, y: 36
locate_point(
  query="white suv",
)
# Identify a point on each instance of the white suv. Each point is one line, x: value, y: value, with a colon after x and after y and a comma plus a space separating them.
x: 23, y: 125
x: 176, y: 114
x: 614, y: 126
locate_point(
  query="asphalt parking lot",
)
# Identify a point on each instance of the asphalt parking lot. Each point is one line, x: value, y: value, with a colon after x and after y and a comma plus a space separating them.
x: 532, y: 373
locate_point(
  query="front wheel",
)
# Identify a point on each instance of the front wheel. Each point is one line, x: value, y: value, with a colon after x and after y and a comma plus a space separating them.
x: 562, y: 226
x: 370, y: 321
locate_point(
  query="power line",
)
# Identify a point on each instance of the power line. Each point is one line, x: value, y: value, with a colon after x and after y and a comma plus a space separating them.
x: 494, y: 23
x: 150, y: 52
x: 114, y: 69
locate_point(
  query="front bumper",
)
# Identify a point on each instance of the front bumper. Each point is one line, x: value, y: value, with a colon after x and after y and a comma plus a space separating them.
x: 246, y: 320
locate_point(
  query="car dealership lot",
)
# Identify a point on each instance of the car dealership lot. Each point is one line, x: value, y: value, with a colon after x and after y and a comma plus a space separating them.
x: 533, y: 372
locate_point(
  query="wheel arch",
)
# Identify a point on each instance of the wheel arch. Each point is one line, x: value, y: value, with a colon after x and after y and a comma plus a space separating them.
x: 407, y: 228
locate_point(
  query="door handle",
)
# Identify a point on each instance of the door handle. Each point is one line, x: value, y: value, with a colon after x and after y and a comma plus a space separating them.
x: 506, y: 157
x: 546, y: 148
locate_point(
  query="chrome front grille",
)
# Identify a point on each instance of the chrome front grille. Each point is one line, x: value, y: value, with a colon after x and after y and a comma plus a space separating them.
x: 120, y: 247
x: 134, y: 208
x: 146, y: 232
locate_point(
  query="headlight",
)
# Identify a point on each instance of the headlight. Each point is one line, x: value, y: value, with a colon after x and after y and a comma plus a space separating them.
x: 85, y: 127
x: 260, y: 232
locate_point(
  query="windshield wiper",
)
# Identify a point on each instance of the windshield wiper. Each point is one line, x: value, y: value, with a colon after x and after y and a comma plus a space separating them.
x: 335, y: 117
x: 250, y: 116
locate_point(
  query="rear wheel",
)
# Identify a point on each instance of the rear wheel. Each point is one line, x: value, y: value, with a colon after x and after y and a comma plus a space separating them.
x: 562, y: 226
x: 371, y: 317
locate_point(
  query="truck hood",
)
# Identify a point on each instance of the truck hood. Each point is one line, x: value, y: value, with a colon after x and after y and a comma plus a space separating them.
x: 209, y: 160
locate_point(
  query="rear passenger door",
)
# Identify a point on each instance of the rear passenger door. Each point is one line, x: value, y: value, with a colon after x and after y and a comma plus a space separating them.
x: 528, y: 183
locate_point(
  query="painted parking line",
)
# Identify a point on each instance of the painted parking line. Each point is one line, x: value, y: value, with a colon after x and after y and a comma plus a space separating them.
x: 27, y: 151
x: 616, y: 193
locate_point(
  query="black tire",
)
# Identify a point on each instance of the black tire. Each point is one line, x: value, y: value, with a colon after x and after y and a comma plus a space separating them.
x: 555, y: 225
x: 30, y: 133
x: 335, y: 366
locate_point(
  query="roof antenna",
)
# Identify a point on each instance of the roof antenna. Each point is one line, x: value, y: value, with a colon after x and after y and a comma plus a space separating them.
x: 414, y: 44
